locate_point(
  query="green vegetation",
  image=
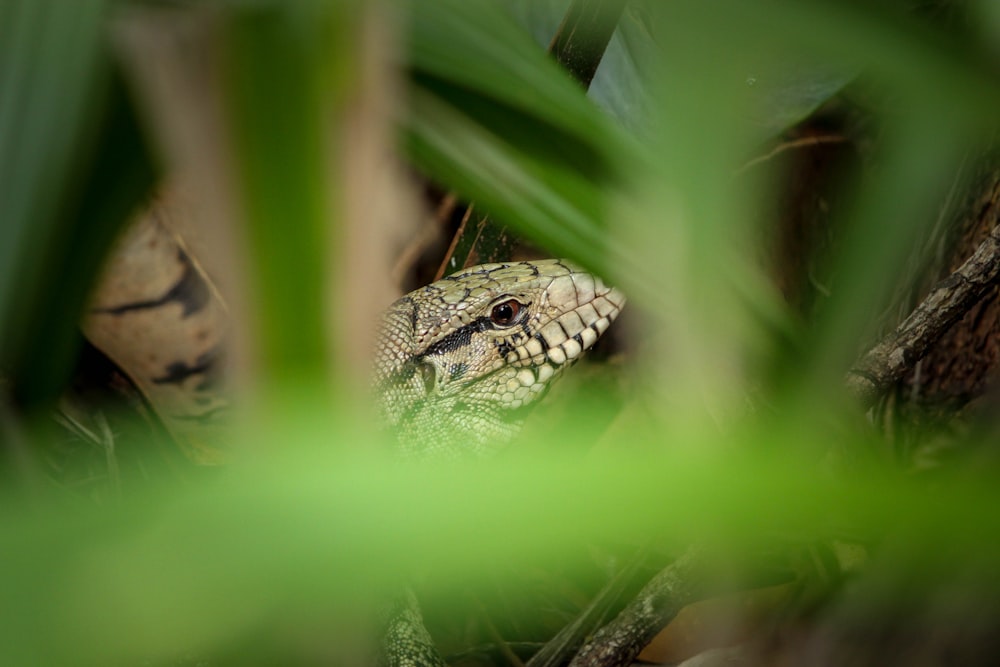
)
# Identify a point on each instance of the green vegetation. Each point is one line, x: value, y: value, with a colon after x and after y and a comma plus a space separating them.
x: 733, y: 425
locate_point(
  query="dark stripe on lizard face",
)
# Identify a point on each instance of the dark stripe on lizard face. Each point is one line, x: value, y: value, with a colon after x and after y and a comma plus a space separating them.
x: 458, y: 338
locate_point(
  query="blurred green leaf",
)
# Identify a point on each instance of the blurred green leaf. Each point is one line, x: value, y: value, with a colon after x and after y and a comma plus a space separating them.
x: 321, y: 531
x: 282, y: 81
x: 558, y: 207
x: 74, y: 166
x: 292, y: 545
x: 497, y: 119
x: 475, y: 45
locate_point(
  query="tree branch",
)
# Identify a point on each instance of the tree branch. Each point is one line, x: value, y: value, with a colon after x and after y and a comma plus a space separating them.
x: 558, y: 650
x: 620, y: 641
x: 950, y: 299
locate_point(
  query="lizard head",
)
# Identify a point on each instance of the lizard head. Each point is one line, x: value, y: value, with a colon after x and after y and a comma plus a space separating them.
x: 457, y: 361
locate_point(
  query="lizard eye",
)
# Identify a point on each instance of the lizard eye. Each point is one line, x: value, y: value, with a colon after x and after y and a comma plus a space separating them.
x: 504, y: 314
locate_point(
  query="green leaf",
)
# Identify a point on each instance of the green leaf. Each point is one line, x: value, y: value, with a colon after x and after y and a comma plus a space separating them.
x: 493, y: 116
x: 74, y: 167
x: 286, y: 72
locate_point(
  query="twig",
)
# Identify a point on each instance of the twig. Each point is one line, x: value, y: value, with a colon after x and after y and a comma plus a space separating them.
x: 564, y: 645
x: 502, y: 645
x: 620, y: 641
x: 946, y: 304
x: 801, y: 142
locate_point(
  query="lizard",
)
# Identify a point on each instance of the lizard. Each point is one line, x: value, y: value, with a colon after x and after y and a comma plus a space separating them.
x: 157, y: 315
x: 458, y: 362
x: 456, y: 365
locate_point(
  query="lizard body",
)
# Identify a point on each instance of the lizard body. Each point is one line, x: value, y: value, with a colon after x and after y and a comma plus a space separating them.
x: 457, y: 363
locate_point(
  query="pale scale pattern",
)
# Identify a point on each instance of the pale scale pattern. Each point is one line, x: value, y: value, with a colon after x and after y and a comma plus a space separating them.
x: 453, y: 383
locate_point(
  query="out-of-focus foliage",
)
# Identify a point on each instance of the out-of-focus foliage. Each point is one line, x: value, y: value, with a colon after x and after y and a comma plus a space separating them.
x: 290, y: 545
x: 509, y: 129
x: 73, y: 165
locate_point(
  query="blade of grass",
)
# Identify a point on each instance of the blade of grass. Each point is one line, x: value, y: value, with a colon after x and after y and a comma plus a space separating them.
x: 74, y: 165
x: 288, y: 65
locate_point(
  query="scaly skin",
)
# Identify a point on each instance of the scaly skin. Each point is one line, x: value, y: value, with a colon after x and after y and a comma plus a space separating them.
x: 456, y: 364
x: 156, y: 315
x: 457, y: 361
